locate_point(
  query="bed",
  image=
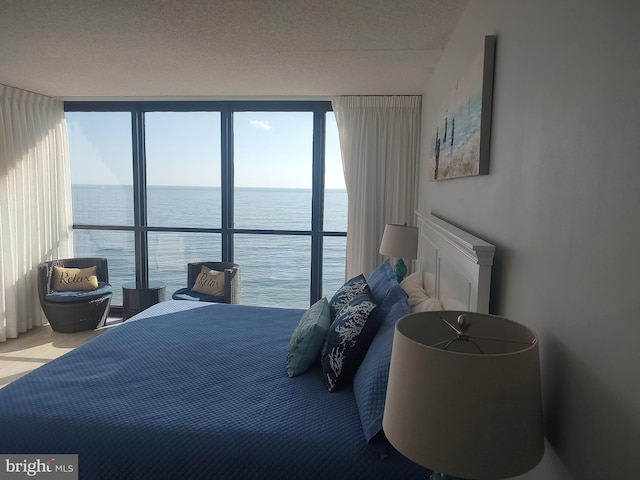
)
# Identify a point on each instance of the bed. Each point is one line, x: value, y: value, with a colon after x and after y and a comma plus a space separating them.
x: 186, y: 390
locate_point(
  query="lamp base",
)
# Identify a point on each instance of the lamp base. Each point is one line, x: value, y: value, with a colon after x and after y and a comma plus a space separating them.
x: 400, y: 269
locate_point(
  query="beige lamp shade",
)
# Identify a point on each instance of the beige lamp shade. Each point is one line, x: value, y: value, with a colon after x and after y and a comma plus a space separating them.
x: 399, y: 241
x: 465, y: 401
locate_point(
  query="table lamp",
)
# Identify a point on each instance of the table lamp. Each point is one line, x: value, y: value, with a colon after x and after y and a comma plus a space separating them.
x: 399, y: 241
x: 463, y: 396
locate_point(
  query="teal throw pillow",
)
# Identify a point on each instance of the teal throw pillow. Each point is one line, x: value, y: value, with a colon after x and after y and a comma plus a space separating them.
x: 308, y: 338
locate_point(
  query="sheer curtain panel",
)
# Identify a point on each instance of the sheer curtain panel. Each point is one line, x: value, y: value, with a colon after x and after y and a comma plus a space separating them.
x: 379, y: 141
x: 35, y: 201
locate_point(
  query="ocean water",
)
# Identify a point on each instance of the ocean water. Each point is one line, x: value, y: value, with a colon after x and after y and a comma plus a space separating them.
x: 275, y: 269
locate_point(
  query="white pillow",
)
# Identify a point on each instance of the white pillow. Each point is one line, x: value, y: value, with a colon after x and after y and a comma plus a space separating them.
x: 413, y: 286
x: 419, y: 301
x: 428, y: 305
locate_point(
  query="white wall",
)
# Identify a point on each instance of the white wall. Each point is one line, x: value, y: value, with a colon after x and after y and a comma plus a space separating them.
x: 562, y: 205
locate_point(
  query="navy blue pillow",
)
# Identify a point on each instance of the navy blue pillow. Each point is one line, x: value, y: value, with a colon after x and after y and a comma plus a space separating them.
x: 348, y: 340
x: 384, y: 288
x: 381, y: 280
x: 346, y: 292
x: 370, y: 381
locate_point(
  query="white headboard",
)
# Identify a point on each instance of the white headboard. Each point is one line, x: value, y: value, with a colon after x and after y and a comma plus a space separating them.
x: 455, y: 265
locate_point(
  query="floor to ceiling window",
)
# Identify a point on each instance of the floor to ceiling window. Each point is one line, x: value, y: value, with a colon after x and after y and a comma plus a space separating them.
x: 102, y: 190
x: 182, y: 151
x: 158, y: 185
x: 334, y: 212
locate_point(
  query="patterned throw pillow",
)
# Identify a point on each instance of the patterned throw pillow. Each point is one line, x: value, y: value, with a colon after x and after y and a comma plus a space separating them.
x: 70, y: 279
x: 209, y: 282
x: 308, y: 338
x: 348, y: 339
x: 346, y: 292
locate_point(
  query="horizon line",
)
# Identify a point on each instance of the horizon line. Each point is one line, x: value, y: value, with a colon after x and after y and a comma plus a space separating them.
x: 197, y: 186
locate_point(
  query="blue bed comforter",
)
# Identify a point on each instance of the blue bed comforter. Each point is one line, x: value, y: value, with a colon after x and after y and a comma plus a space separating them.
x: 194, y: 394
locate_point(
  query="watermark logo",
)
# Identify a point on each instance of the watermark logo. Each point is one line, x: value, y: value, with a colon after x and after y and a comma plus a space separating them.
x: 50, y: 467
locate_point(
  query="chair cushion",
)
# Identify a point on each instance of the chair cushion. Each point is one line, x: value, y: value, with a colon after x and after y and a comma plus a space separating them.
x: 188, y: 294
x: 74, y: 279
x: 76, y: 296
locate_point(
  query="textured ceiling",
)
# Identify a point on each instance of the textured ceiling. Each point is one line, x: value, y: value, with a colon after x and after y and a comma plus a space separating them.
x: 215, y: 48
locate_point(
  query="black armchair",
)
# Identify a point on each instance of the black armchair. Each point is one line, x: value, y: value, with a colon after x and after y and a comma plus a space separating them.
x: 75, y: 311
x: 231, y: 283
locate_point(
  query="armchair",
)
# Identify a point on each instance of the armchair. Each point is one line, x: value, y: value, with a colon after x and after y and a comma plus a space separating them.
x: 73, y: 311
x: 231, y: 283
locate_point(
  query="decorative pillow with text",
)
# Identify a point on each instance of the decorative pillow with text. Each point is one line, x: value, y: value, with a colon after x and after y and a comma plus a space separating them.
x: 70, y: 279
x: 209, y: 282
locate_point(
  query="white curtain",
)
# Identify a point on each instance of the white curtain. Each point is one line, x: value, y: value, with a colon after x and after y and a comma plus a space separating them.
x: 379, y: 141
x: 35, y: 201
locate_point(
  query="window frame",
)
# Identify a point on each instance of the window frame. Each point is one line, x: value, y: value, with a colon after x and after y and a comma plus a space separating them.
x: 227, y: 230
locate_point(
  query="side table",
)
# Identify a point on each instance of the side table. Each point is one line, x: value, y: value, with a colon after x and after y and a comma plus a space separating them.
x: 135, y: 300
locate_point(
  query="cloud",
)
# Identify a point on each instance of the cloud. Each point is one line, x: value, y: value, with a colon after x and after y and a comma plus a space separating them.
x: 263, y: 124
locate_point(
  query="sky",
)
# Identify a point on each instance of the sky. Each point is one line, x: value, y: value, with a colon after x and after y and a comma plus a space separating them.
x: 271, y: 149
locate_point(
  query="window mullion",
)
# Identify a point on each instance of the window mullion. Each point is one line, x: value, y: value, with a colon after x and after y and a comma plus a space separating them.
x: 317, y: 204
x: 227, y: 184
x: 140, y: 199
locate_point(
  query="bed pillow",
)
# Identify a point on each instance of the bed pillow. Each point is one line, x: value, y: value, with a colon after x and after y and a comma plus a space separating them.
x: 370, y: 381
x: 413, y: 286
x: 428, y: 305
x: 385, y: 289
x: 308, y: 338
x: 419, y: 300
x: 348, y: 340
x: 74, y: 279
x: 381, y: 280
x: 346, y: 292
x: 209, y: 282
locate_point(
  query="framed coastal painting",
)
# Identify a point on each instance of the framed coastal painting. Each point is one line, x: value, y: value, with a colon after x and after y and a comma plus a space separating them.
x: 462, y: 136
